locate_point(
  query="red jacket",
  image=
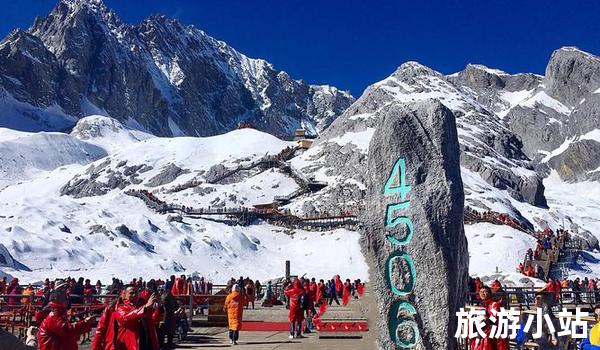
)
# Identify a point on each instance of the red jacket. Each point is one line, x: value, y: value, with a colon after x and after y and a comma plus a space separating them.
x: 104, y: 338
x: 319, y: 292
x: 312, y: 289
x: 129, y: 320
x: 338, y: 284
x: 294, y: 293
x: 57, y: 333
x: 346, y: 294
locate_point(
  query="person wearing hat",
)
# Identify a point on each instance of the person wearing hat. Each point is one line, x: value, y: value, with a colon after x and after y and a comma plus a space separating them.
x: 60, y: 285
x: 56, y: 332
x: 234, y: 305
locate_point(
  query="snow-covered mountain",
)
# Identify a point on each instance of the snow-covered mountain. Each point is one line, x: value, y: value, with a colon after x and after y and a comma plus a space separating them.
x: 158, y: 76
x: 529, y: 147
x: 526, y: 150
x: 70, y: 214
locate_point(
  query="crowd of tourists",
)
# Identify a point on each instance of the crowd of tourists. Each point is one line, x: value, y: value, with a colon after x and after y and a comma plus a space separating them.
x: 474, y: 216
x: 144, y: 315
x: 493, y: 297
x: 548, y: 247
x: 137, y: 315
x: 306, y: 299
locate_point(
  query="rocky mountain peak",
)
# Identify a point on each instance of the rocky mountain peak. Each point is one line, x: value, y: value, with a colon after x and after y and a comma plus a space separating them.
x: 484, y: 69
x: 76, y: 22
x: 480, y: 76
x: 95, y: 126
x: 160, y: 75
x: 414, y: 69
x: 570, y: 74
x: 19, y: 39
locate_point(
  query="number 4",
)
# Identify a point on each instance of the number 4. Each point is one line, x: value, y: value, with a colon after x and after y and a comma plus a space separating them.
x: 399, y: 172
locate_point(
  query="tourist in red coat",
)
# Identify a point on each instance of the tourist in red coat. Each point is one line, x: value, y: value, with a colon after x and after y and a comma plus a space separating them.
x: 14, y: 289
x: 312, y: 288
x: 490, y: 305
x: 136, y: 325
x: 104, y: 337
x: 56, y: 332
x: 296, y: 315
x: 338, y: 285
x: 346, y: 292
x: 179, y: 287
x: 320, y: 292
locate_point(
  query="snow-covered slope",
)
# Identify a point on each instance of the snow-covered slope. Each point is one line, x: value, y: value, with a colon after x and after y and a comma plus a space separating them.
x: 97, y: 230
x: 23, y: 156
x: 107, y: 133
x: 496, y: 251
x: 68, y: 209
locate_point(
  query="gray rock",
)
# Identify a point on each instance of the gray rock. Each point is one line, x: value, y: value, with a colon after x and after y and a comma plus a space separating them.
x: 134, y: 237
x: 578, y: 161
x: 535, y: 129
x: 168, y: 174
x: 532, y: 190
x: 88, y: 187
x: 174, y: 218
x: 424, y: 134
x: 571, y: 74
x: 488, y: 146
x: 203, y: 191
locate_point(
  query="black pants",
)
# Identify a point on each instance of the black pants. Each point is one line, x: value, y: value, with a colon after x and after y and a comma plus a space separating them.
x: 332, y: 298
x: 165, y: 333
x: 234, y: 335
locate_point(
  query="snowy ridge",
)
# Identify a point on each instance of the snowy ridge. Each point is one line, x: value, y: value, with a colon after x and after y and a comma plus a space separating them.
x: 107, y: 133
x: 172, y: 79
x: 27, y: 155
x: 106, y: 233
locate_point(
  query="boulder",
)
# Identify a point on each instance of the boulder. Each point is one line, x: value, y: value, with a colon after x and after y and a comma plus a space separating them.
x: 423, y: 135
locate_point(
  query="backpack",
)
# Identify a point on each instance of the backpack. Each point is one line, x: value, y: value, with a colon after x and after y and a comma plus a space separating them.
x: 305, y: 302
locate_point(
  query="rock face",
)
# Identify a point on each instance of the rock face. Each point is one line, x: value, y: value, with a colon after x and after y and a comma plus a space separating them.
x: 424, y: 135
x: 579, y: 162
x: 491, y: 153
x: 159, y: 75
x: 571, y: 74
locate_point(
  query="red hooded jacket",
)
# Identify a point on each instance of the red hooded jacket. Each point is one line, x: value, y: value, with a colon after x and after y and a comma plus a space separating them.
x: 312, y: 290
x: 129, y: 320
x: 489, y: 343
x: 346, y: 294
x: 319, y: 294
x: 295, y: 293
x: 104, y: 338
x: 338, y: 284
x: 57, y: 333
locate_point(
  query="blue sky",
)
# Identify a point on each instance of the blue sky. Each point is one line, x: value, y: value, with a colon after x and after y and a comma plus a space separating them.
x: 351, y: 44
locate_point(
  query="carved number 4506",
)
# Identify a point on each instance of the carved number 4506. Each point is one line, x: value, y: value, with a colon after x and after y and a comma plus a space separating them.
x: 396, y: 185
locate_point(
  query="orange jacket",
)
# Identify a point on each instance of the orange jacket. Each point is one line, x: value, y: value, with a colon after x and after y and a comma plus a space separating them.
x: 234, y: 305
